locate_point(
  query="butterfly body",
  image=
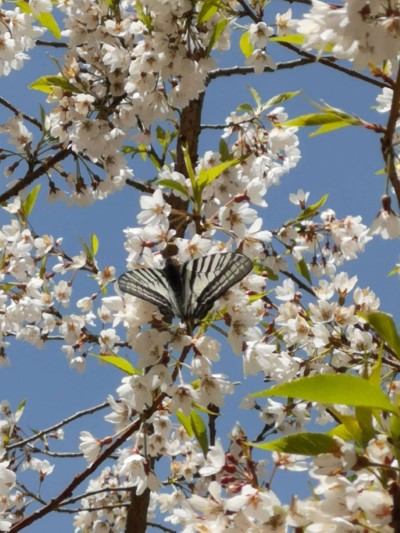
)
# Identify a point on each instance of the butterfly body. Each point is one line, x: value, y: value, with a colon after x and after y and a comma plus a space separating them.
x: 190, y: 290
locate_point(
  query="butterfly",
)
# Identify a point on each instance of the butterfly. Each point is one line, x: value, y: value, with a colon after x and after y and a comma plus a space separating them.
x: 187, y: 291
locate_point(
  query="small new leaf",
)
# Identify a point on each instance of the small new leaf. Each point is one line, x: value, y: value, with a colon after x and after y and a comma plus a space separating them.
x: 94, y: 243
x: 119, y: 362
x: 208, y: 10
x: 216, y: 34
x: 383, y: 324
x: 311, y: 210
x: 302, y: 268
x: 207, y: 176
x: 174, y: 185
x: 301, y: 444
x: 29, y: 202
x: 246, y: 47
x: 45, y: 84
x: 199, y: 430
x: 49, y: 22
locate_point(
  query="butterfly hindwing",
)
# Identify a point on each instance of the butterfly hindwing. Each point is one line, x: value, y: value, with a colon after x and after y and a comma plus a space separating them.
x: 151, y: 285
x: 207, y: 278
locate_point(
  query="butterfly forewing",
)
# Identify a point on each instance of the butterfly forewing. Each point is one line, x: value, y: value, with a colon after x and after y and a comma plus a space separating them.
x: 208, y: 278
x: 190, y: 290
x: 151, y: 285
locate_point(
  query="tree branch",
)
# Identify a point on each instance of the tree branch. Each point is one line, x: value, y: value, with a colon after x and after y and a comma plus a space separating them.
x: 16, y: 111
x: 35, y: 174
x: 387, y: 140
x: 54, y: 428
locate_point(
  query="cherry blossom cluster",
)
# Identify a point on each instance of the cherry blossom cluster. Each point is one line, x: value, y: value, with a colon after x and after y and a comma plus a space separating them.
x: 329, y: 326
x: 127, y: 68
x: 18, y: 33
x: 362, y: 31
x: 120, y: 77
x: 33, y: 309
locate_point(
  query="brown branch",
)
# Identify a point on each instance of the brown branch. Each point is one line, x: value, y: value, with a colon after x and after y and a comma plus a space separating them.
x: 247, y: 12
x: 79, y: 478
x: 53, y: 44
x: 188, y: 138
x: 142, y: 187
x: 35, y: 174
x: 54, y: 428
x: 136, y: 519
x: 387, y: 140
x: 331, y: 64
x: 16, y: 111
x: 244, y: 71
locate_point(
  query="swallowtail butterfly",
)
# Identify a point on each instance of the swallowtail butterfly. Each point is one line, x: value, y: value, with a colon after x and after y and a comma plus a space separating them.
x: 190, y: 290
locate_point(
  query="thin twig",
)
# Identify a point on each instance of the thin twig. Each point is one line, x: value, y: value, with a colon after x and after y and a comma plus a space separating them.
x: 35, y: 174
x: 16, y: 111
x: 244, y: 71
x: 80, y: 478
x: 53, y: 44
x: 331, y: 64
x: 387, y: 140
x: 54, y: 428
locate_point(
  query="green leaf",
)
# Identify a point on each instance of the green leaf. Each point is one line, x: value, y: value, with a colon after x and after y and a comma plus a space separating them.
x: 317, y: 119
x: 143, y: 16
x: 118, y: 362
x: 42, y: 271
x: 383, y: 324
x: 365, y: 422
x: 114, y: 6
x: 311, y: 210
x: 189, y: 167
x: 246, y: 47
x: 301, y: 444
x: 88, y: 251
x: 174, y: 185
x: 45, y: 84
x: 255, y: 95
x: 395, y: 270
x: 29, y: 202
x: 291, y: 39
x: 207, y: 176
x: 348, y: 430
x: 23, y: 6
x: 279, y: 98
x: 42, y: 116
x: 49, y: 22
x: 245, y: 107
x: 302, y: 268
x: 375, y: 374
x: 199, y: 430
x: 395, y: 427
x: 160, y: 135
x: 330, y: 389
x: 94, y: 243
x: 204, y: 410
x: 20, y: 410
x: 216, y: 34
x: 208, y: 10
x: 329, y: 127
x: 185, y: 422
x: 224, y: 150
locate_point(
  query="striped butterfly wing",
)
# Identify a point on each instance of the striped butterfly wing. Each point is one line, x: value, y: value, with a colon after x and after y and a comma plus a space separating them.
x: 206, y: 279
x: 151, y: 285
